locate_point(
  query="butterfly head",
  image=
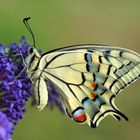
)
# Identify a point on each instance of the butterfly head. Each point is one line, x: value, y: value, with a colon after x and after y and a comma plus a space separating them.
x: 33, y: 52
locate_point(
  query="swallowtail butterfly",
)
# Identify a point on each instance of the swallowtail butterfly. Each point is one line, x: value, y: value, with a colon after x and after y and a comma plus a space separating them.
x: 88, y: 78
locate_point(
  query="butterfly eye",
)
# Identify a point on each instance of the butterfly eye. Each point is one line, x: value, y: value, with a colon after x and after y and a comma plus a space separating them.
x: 31, y: 50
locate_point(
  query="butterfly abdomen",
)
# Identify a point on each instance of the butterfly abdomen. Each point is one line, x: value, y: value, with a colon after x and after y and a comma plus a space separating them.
x: 40, y: 93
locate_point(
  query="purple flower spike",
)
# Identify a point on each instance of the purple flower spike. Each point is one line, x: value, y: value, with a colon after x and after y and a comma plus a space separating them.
x: 15, y: 89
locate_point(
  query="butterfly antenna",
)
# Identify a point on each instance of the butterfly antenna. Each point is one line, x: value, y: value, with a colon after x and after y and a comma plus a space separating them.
x: 25, y: 21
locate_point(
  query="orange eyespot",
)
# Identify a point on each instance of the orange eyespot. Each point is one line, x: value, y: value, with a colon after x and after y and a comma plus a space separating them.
x: 79, y: 116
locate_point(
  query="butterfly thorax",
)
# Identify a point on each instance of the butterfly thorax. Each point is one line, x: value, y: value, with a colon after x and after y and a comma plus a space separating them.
x: 32, y: 62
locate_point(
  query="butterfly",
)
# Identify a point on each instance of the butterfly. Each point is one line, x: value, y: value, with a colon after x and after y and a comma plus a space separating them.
x: 88, y: 78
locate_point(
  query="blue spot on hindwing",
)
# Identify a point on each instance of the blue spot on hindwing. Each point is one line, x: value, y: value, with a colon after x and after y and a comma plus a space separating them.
x: 89, y: 107
x: 88, y: 57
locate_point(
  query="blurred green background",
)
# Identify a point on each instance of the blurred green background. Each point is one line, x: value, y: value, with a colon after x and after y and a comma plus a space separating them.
x: 58, y: 23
